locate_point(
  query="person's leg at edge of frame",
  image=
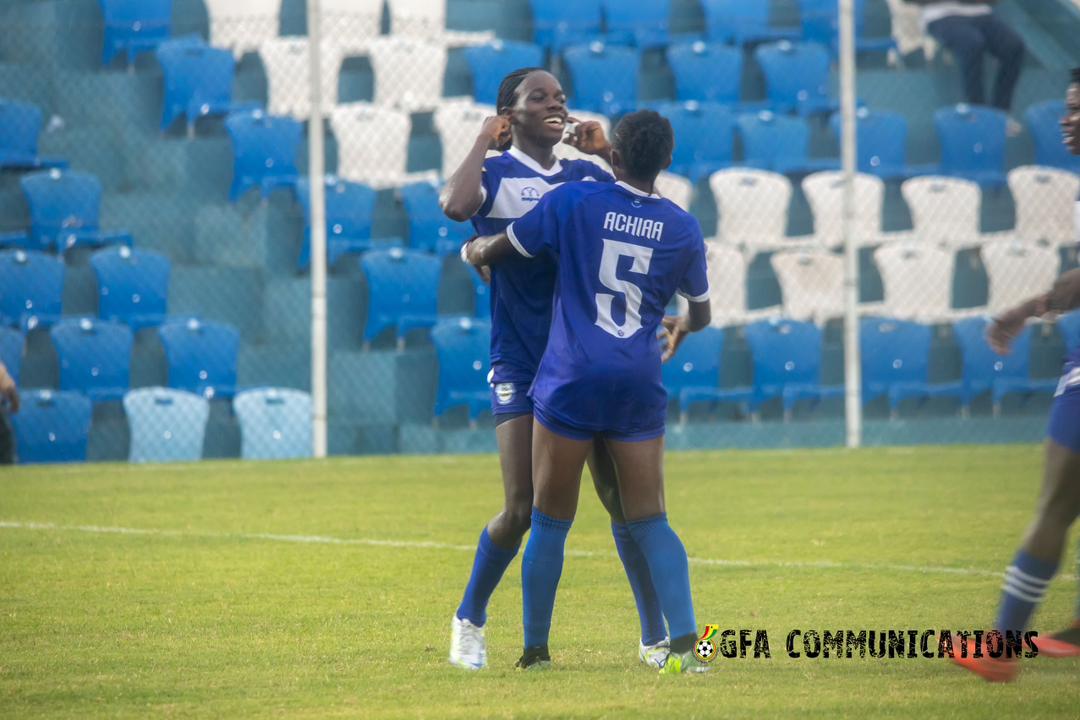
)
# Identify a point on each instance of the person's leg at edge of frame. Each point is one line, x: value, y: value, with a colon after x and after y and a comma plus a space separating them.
x: 964, y: 40
x: 1004, y: 44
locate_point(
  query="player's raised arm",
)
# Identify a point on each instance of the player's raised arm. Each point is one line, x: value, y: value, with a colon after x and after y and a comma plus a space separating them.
x: 463, y: 195
x: 588, y: 137
x: 487, y: 249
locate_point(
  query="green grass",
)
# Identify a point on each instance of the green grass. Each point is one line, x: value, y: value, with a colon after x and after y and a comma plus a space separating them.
x: 209, y: 621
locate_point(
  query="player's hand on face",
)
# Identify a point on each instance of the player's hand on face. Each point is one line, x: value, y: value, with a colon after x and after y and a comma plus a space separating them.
x: 674, y: 332
x: 588, y: 137
x: 497, y: 130
x: 1002, y: 331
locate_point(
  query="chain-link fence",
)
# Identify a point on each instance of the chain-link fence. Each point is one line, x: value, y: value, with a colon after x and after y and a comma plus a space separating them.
x: 157, y: 211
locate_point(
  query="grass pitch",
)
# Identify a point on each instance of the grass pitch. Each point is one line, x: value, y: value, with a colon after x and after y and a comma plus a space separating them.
x: 325, y: 589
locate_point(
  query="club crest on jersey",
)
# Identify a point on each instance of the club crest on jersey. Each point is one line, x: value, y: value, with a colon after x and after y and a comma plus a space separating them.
x: 530, y: 194
x: 504, y: 393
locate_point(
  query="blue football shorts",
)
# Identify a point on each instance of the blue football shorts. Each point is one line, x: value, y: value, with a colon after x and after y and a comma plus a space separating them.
x: 568, y: 430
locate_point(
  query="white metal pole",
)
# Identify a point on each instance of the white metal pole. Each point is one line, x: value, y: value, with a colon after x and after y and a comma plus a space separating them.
x: 852, y: 365
x: 316, y: 173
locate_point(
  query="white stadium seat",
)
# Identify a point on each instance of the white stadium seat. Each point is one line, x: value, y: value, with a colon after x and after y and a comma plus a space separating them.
x: 243, y: 25
x: 1045, y: 201
x: 408, y: 73
x: 753, y: 209
x: 288, y: 76
x: 457, y: 124
x: 351, y: 24
x: 812, y: 284
x: 944, y: 211
x: 675, y: 188
x: 373, y: 145
x: 918, y: 283
x: 1017, y: 271
x: 426, y: 19
x: 727, y: 269
x: 825, y: 193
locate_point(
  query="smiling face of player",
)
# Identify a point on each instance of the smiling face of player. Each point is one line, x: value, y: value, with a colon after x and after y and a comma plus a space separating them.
x: 1070, y: 124
x: 539, y: 116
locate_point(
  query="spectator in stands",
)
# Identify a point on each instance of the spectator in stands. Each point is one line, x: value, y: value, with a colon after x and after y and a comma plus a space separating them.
x: 970, y: 29
x: 9, y: 402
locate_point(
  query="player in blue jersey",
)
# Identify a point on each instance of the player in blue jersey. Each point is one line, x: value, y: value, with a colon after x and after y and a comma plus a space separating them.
x: 1027, y: 579
x: 622, y: 252
x: 493, y: 192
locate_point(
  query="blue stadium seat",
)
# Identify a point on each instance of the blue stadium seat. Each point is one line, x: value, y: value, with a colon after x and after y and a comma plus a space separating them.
x: 482, y: 290
x: 350, y: 210
x: 695, y: 64
x: 1069, y: 327
x: 134, y: 26
x: 490, y: 63
x: 403, y: 289
x: 198, y: 82
x: 133, y: 286
x: 1043, y: 121
x: 12, y: 345
x: 275, y: 423
x: 95, y: 357
x: 820, y: 24
x: 896, y: 362
x: 31, y: 288
x: 644, y: 25
x: 972, y: 143
x: 20, y: 127
x: 742, y: 22
x: 201, y: 356
x: 462, y: 346
x: 429, y: 228
x: 881, y: 144
x: 704, y: 137
x: 166, y: 425
x: 52, y: 427
x: 558, y: 24
x: 986, y: 371
x: 264, y: 152
x: 65, y: 206
x: 692, y: 376
x: 605, y: 77
x: 779, y: 143
x: 797, y: 77
x: 787, y: 363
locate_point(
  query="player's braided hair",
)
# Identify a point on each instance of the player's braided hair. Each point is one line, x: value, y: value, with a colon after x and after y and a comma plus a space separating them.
x: 644, y: 140
x: 508, y: 93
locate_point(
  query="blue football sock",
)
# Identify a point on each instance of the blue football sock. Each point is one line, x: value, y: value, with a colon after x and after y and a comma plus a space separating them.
x: 1026, y: 581
x: 488, y: 568
x: 641, y: 584
x: 670, y: 572
x: 541, y: 567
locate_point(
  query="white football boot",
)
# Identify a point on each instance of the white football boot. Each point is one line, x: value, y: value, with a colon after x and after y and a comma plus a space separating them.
x: 654, y: 655
x: 468, y: 649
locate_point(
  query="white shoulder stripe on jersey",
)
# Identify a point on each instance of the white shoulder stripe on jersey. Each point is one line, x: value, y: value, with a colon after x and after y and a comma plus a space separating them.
x: 514, y: 241
x: 695, y: 298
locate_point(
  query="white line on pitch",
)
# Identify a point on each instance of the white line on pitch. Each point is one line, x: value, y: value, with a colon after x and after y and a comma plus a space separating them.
x: 431, y: 545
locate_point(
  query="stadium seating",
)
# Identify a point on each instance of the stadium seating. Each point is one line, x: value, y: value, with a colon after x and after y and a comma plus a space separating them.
x: 64, y: 210
x: 408, y: 72
x: 52, y: 427
x: 166, y: 425
x: 825, y: 193
x: 944, y: 211
x: 1045, y: 207
x: 705, y: 135
x: 644, y: 25
x: 350, y: 210
x: 1069, y: 327
x: 604, y: 77
x: 134, y: 26
x: 288, y: 67
x: 275, y: 423
x: 812, y: 284
x: 753, y: 208
x: 482, y: 294
x: 31, y: 288
x: 198, y: 82
x: 780, y: 143
x: 403, y: 288
x: 95, y: 357
x: 918, y: 282
x: 787, y: 364
x: 881, y: 139
x: 429, y: 228
x: 490, y: 63
x: 694, y: 66
x: 133, y: 286
x: 557, y: 24
x: 986, y: 371
x: 351, y: 24
x: 1043, y: 121
x: 797, y: 77
x: 727, y: 267
x: 458, y: 125
x: 692, y: 376
x: 820, y: 24
x: 20, y: 126
x: 12, y: 346
x: 243, y: 25
x: 895, y: 356
x: 201, y: 356
x: 972, y: 143
x: 741, y: 22
x: 462, y: 346
x: 373, y: 145
x: 426, y: 20
x: 264, y: 152
x: 675, y: 188
x: 1017, y: 271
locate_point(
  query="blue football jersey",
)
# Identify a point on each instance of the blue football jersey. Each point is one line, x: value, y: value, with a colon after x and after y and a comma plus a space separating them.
x: 521, y: 290
x: 621, y: 256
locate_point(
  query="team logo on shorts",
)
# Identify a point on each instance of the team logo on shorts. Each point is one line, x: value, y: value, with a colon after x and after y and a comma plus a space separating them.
x: 705, y: 648
x: 504, y: 393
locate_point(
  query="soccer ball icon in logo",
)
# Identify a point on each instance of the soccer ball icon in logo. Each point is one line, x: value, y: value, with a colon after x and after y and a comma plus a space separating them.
x: 705, y: 649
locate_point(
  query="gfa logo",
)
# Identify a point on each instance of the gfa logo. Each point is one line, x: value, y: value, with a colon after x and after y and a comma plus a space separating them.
x: 530, y: 194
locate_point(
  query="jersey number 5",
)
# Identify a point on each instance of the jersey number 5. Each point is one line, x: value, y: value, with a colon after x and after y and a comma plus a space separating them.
x: 609, y: 263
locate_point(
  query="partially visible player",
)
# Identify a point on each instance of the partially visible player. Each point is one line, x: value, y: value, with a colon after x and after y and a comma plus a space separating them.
x: 1027, y: 579
x: 493, y: 192
x: 622, y: 253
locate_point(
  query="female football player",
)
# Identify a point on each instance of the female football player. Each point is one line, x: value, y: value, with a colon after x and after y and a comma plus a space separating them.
x: 1027, y: 579
x: 493, y: 192
x: 622, y: 252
